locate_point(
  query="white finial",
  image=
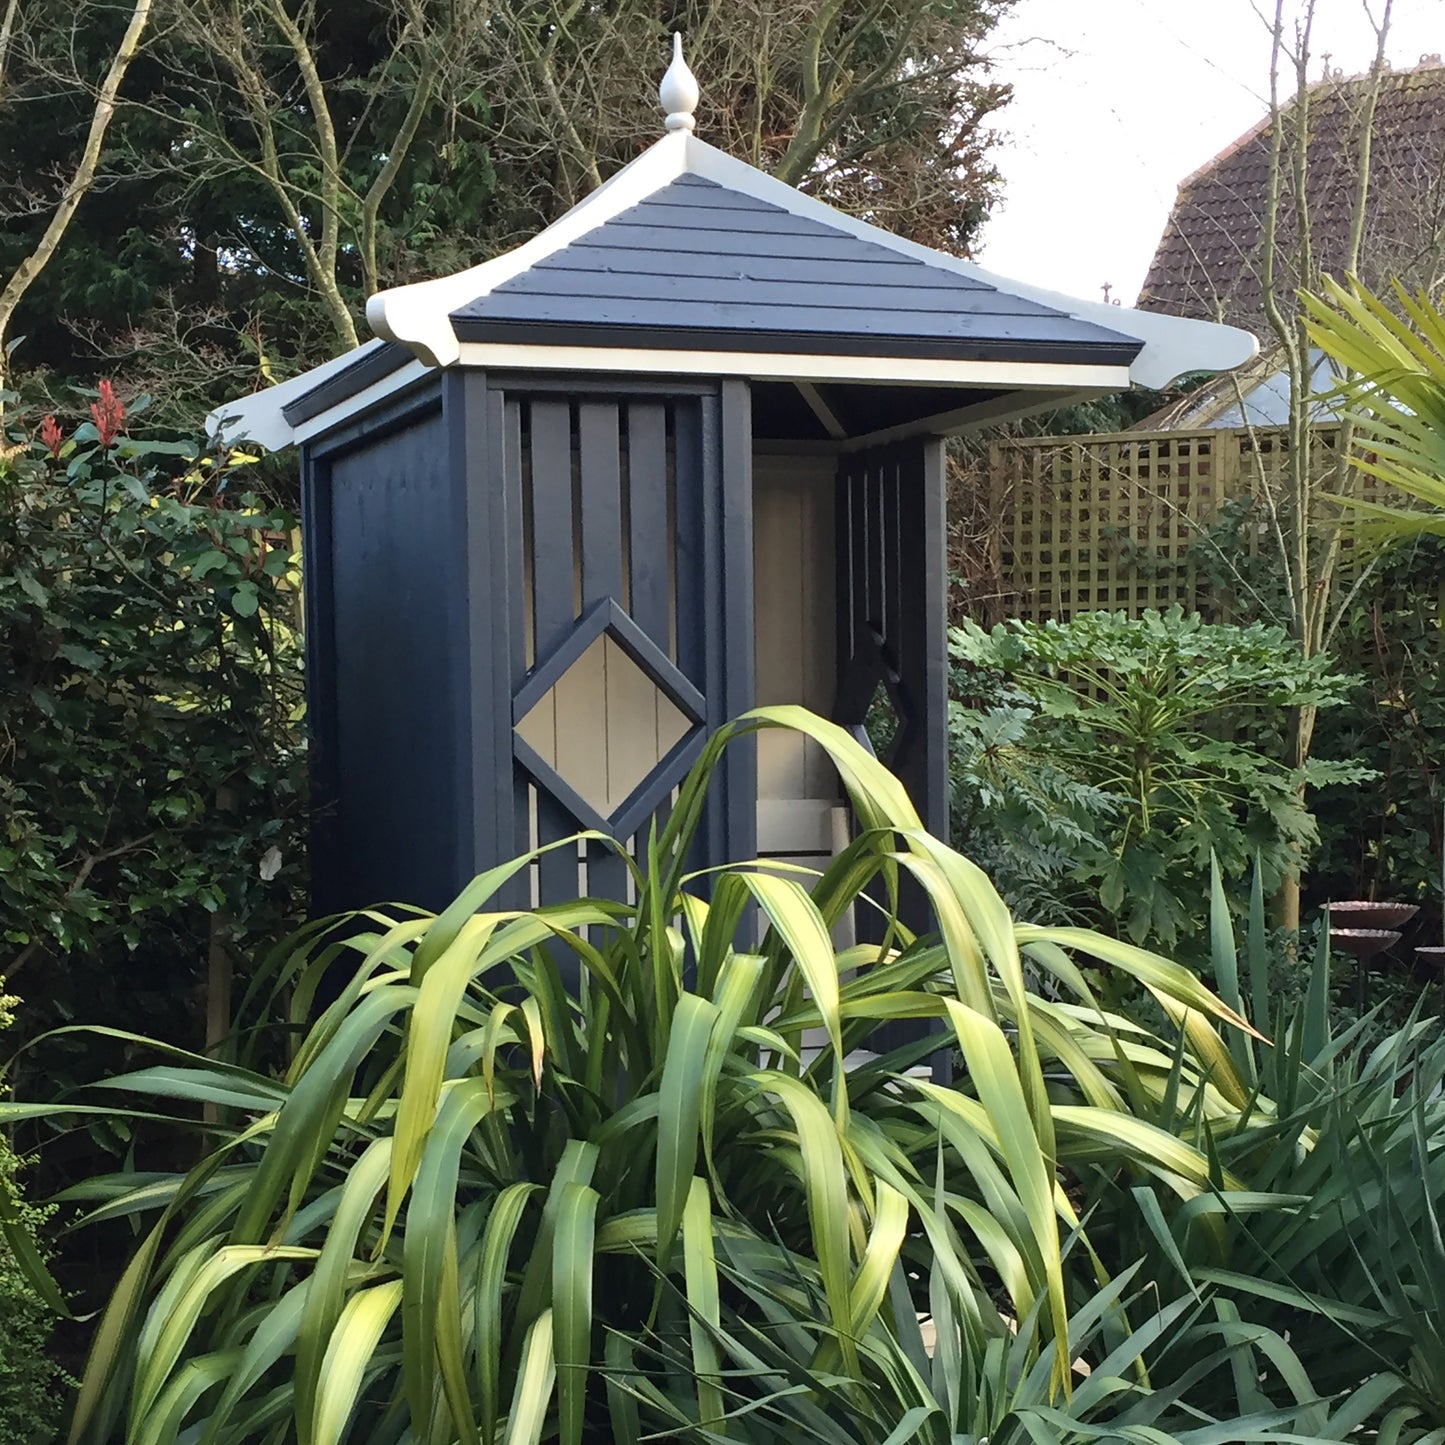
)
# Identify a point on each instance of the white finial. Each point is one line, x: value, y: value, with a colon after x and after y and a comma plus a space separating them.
x: 678, y: 92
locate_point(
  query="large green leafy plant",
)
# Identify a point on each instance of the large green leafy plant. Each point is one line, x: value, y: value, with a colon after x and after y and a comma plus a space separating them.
x: 1355, y: 1266
x: 150, y: 691
x: 1026, y: 820
x: 587, y: 1171
x: 1169, y: 718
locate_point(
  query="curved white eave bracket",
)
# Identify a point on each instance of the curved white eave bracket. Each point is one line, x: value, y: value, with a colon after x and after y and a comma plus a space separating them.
x: 259, y: 418
x: 419, y: 315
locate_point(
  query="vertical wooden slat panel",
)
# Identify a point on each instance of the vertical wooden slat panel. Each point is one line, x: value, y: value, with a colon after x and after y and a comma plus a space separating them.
x: 899, y: 576
x: 654, y: 512
x: 600, y: 467
x: 698, y: 454
x: 529, y: 815
x: 553, y: 564
x: 633, y: 750
x: 727, y: 447
x: 629, y: 752
x: 648, y: 552
x: 491, y: 523
x: 843, y: 531
x: 557, y: 869
x: 819, y: 662
x: 581, y: 699
x: 327, y: 870
x: 779, y: 650
x: 509, y: 482
x: 600, y: 474
x: 855, y: 644
x: 688, y: 609
x: 876, y: 581
x: 892, y: 484
x: 929, y: 622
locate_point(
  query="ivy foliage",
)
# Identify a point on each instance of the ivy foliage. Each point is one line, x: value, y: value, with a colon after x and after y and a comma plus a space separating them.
x: 150, y: 700
x: 1165, y: 720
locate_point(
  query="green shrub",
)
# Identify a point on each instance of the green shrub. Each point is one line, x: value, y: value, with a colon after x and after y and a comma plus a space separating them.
x: 1382, y: 838
x: 1032, y: 825
x: 1159, y: 714
x: 150, y: 693
x: 1381, y: 835
x: 602, y: 1169
x: 30, y: 1382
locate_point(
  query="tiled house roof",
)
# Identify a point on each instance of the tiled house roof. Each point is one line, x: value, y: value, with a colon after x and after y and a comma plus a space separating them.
x: 1208, y: 261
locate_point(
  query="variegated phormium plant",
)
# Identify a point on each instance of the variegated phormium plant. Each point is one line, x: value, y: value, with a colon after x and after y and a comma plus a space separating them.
x: 571, y: 1174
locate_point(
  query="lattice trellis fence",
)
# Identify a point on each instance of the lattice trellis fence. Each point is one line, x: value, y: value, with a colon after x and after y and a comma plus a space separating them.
x: 1107, y: 522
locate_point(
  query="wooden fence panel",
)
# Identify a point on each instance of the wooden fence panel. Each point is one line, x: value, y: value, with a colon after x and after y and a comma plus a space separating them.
x: 1110, y: 522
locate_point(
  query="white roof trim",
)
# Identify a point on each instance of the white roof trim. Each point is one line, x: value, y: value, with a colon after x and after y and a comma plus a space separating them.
x: 1020, y: 378
x: 257, y: 418
x: 398, y: 380
x: 772, y: 366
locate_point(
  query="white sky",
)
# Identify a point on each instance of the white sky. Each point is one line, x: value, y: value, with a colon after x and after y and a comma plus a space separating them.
x: 1116, y: 101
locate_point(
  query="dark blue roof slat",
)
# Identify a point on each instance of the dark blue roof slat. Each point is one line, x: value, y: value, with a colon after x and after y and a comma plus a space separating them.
x: 833, y: 246
x: 652, y: 216
x: 715, y: 198
x: 821, y: 319
x: 698, y: 265
x: 848, y: 270
x: 860, y: 293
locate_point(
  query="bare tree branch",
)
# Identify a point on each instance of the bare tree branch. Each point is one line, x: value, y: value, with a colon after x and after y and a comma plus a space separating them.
x: 82, y: 178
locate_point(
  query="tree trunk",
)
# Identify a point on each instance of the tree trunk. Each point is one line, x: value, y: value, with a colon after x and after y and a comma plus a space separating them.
x: 1287, y: 900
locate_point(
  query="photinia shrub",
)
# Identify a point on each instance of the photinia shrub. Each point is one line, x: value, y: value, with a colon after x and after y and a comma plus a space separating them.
x: 150, y: 709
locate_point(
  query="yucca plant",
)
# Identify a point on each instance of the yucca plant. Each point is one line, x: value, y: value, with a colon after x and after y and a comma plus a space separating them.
x: 1335, y: 1238
x: 523, y: 1158
x: 1189, y: 1370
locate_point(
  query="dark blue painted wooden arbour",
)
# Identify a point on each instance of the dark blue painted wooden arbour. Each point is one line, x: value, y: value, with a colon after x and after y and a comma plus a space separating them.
x: 581, y: 504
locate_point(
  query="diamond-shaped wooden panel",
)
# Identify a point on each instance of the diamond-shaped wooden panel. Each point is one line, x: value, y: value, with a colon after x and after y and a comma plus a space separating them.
x: 603, y: 726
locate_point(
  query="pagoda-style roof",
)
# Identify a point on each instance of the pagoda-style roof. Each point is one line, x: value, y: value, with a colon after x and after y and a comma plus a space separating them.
x: 690, y: 262
x: 700, y: 265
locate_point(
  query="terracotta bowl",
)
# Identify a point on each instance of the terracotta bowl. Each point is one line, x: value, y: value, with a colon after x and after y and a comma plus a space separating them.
x: 1363, y: 942
x: 1358, y: 913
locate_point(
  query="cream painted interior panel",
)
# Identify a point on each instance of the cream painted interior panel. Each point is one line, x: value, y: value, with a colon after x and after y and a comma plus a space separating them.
x: 793, y: 563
